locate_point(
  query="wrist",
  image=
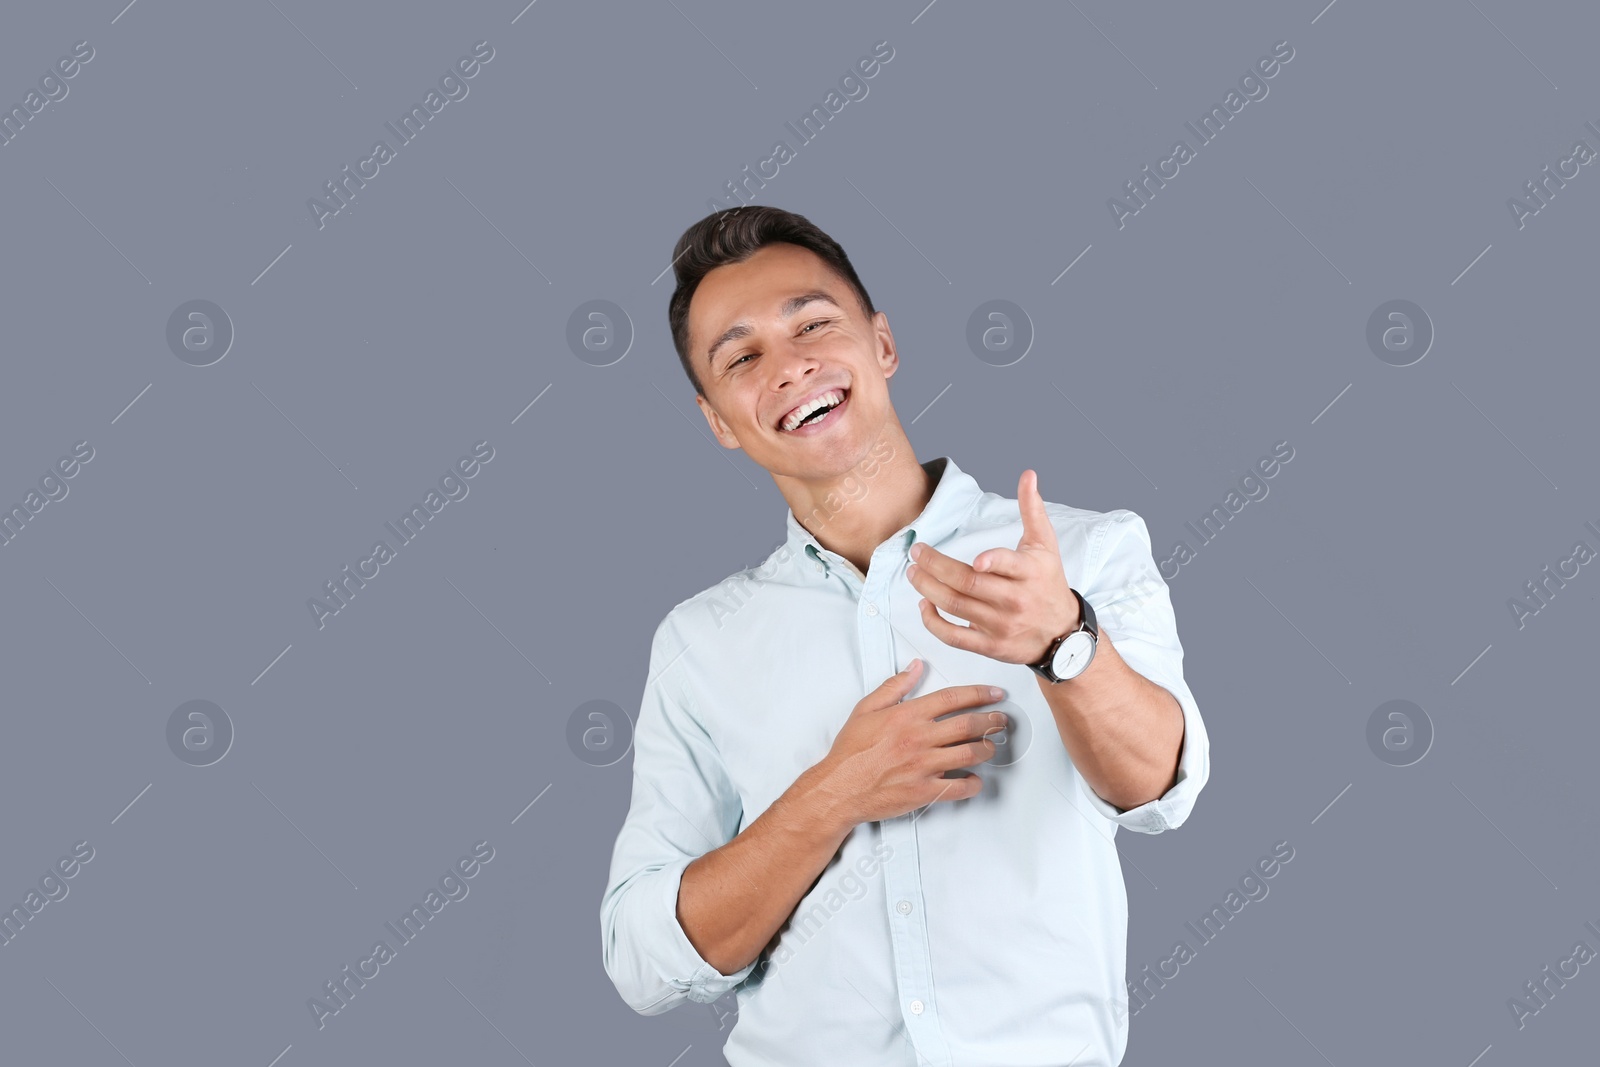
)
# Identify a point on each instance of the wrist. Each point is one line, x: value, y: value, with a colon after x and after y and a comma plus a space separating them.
x: 1062, y: 629
x: 820, y: 805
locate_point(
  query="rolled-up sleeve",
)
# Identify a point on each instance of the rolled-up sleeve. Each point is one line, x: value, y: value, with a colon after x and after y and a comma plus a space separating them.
x: 1132, y: 603
x: 683, y: 806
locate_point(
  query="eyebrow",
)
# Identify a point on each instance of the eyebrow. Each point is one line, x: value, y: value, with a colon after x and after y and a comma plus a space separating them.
x: 790, y: 306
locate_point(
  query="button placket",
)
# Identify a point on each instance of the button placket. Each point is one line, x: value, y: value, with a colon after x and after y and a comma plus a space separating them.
x: 908, y: 935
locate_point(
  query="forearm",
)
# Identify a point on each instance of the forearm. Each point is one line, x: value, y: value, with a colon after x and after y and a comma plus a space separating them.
x: 733, y: 899
x: 1123, y: 731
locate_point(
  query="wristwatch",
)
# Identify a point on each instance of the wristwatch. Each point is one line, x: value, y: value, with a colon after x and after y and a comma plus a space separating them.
x: 1069, y: 655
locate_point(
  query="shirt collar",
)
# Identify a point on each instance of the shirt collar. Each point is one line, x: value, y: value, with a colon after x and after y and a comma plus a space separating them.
x: 954, y: 496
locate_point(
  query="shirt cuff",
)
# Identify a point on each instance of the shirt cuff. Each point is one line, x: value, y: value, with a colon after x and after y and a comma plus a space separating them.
x: 1168, y: 811
x: 704, y: 983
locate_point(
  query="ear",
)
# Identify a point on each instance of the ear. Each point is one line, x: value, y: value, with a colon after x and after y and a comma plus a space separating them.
x: 888, y: 355
x: 720, y: 429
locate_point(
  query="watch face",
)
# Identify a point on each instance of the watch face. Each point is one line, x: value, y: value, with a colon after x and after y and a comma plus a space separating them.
x: 1073, y: 655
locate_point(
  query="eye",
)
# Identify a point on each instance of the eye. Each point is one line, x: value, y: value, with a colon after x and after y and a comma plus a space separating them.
x: 804, y: 329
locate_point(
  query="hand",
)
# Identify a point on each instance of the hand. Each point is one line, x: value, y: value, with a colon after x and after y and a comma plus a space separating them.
x: 1017, y: 601
x: 889, y: 757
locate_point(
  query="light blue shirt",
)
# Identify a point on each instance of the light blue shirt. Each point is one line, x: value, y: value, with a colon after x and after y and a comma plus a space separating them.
x: 986, y: 931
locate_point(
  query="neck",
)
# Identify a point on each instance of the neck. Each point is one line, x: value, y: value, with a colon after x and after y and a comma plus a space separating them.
x: 854, y: 512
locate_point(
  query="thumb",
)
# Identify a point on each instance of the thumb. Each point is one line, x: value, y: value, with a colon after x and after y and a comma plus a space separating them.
x: 1036, y: 528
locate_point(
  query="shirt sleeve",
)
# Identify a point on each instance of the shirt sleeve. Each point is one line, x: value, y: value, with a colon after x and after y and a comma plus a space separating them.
x: 1131, y: 602
x: 683, y: 806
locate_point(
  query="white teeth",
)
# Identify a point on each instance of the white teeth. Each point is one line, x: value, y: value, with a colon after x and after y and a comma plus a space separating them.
x: 831, y: 398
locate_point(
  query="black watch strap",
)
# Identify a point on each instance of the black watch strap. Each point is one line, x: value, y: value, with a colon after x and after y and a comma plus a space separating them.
x: 1089, y: 622
x: 1086, y: 621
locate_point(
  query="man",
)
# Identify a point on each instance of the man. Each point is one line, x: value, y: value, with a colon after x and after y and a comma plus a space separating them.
x: 804, y: 829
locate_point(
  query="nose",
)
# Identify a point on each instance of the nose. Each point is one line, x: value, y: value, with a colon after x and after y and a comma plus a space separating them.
x: 793, y: 363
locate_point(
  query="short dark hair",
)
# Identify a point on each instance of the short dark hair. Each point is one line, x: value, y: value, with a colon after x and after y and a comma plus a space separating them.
x: 733, y: 235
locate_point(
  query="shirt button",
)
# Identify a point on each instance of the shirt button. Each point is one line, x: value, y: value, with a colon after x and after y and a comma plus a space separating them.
x: 916, y: 1007
x: 872, y: 609
x: 904, y: 907
x: 820, y: 568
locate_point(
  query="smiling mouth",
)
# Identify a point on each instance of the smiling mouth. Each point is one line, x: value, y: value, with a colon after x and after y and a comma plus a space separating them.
x: 818, y: 416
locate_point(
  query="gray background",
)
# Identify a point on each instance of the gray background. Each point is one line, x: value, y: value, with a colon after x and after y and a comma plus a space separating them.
x: 1228, y: 315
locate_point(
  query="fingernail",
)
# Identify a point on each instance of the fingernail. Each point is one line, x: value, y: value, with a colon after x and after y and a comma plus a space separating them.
x: 995, y: 692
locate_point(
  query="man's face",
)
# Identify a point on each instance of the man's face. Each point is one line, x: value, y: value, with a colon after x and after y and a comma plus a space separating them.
x: 785, y: 349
